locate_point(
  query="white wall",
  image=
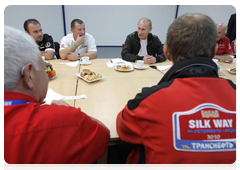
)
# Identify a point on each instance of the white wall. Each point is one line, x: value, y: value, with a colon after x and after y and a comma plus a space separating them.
x: 109, y: 24
x: 218, y: 13
x: 49, y: 16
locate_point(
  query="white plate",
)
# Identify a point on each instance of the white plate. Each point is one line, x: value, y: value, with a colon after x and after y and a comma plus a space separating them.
x: 228, y: 69
x: 78, y: 74
x: 89, y: 62
x: 52, y: 77
x: 131, y: 69
x: 139, y: 67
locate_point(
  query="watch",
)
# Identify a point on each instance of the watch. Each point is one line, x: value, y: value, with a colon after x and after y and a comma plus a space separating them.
x: 79, y: 56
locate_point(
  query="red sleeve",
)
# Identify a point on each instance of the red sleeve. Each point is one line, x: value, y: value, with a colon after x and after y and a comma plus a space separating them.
x: 94, y: 139
x: 128, y: 126
x: 228, y: 47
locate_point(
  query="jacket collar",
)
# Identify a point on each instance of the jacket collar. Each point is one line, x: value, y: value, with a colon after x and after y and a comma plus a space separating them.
x: 138, y: 39
x: 10, y: 95
x: 194, y: 67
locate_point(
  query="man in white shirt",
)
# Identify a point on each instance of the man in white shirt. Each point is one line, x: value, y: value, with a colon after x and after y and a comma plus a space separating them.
x: 78, y: 43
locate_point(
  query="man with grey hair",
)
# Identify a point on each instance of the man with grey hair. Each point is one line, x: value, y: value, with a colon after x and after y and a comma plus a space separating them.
x: 42, y: 134
x: 224, y: 51
x: 178, y: 120
x: 143, y: 45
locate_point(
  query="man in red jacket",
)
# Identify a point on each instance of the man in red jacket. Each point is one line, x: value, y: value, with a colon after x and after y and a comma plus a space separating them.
x: 42, y: 134
x: 224, y: 51
x: 190, y: 116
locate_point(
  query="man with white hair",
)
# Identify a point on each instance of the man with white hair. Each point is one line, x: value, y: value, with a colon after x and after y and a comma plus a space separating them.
x: 42, y: 134
x: 224, y: 47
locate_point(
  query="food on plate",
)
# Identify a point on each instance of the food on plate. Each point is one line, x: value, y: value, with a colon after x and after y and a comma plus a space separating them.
x: 89, y: 75
x: 87, y: 71
x: 123, y: 67
x: 49, y: 70
x: 233, y: 70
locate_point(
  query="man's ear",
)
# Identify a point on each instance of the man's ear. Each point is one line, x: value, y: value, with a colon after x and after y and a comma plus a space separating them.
x: 165, y: 50
x: 28, y: 74
x: 214, y: 50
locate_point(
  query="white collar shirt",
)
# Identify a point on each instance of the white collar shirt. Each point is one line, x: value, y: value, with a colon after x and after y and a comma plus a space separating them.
x: 88, y: 45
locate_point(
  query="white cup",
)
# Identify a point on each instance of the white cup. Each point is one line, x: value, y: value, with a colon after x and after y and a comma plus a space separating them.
x: 84, y: 60
x: 215, y: 60
x: 139, y: 63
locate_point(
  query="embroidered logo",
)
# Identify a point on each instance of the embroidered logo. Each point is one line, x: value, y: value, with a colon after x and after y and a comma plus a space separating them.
x: 62, y: 45
x: 48, y: 44
x: 205, y: 128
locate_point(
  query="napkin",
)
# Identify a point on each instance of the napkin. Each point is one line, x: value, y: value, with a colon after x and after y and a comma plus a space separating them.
x: 52, y: 95
x: 164, y: 67
x: 72, y: 64
x: 117, y: 61
x: 234, y: 59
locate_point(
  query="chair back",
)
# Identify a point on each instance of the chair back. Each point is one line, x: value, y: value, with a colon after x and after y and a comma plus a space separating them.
x: 57, y: 47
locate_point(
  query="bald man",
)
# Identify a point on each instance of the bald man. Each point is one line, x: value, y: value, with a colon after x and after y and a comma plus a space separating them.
x: 224, y: 51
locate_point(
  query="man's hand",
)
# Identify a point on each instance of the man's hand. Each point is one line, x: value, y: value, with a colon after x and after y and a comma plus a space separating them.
x: 149, y: 59
x: 59, y: 102
x: 226, y: 58
x: 80, y: 40
x: 72, y: 56
x: 48, y: 54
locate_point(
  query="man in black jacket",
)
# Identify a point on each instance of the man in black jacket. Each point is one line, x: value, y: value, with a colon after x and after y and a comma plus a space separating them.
x: 231, y: 32
x: 143, y: 45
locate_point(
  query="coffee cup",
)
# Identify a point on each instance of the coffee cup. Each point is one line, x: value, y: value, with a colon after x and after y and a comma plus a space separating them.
x: 85, y: 60
x: 139, y: 63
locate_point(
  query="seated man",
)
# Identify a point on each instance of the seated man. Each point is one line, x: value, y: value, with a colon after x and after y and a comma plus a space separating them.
x: 42, y: 134
x: 181, y: 119
x: 224, y: 46
x: 78, y: 43
x: 44, y: 41
x: 143, y: 45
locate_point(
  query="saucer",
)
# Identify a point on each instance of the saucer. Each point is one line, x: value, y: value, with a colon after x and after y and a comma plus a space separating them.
x: 141, y: 68
x: 89, y: 62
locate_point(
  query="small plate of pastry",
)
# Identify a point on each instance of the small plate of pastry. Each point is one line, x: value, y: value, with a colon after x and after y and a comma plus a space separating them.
x: 232, y: 70
x: 89, y: 76
x: 123, y: 67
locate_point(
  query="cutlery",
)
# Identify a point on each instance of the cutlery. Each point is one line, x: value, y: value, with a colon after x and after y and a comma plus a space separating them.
x: 155, y: 67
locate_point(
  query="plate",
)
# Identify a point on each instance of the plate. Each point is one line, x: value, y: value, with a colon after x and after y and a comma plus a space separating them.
x: 131, y: 69
x: 140, y: 68
x: 89, y: 62
x: 52, y: 77
x: 78, y: 74
x: 228, y: 69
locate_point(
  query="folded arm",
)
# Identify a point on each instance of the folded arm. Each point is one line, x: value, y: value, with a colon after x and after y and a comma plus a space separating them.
x: 224, y: 57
